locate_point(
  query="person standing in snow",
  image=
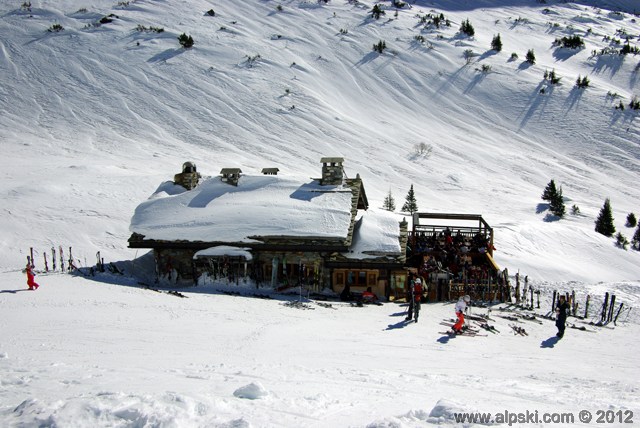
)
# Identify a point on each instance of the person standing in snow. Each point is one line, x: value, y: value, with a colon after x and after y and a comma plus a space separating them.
x: 414, y: 294
x: 562, y: 309
x: 30, y: 278
x: 461, y: 307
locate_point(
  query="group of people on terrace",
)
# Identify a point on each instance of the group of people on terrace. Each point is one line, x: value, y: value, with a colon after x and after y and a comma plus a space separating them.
x: 453, y: 253
x: 445, y: 240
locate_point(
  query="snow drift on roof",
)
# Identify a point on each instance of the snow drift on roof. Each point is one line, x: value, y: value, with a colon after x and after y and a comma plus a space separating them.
x: 260, y: 206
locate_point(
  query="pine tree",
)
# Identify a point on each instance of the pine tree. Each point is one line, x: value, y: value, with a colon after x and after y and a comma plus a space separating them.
x: 531, y: 57
x: 556, y: 204
x: 389, y: 203
x: 621, y: 241
x: 185, y: 41
x: 550, y: 191
x: 635, y: 241
x: 410, y: 204
x: 377, y: 11
x: 604, y: 222
x: 496, y: 43
x: 631, y: 220
x: 467, y: 28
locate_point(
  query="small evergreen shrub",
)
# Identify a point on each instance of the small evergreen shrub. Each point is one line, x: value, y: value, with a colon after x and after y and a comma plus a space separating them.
x: 107, y: 19
x: 468, y: 55
x: 185, y: 41
x: 635, y: 241
x: 575, y: 210
x: 377, y: 11
x: 55, y: 28
x: 552, y: 77
x: 632, y: 221
x: 496, y: 43
x: 380, y: 46
x: 553, y: 194
x: 211, y: 12
x: 621, y: 241
x: 514, y: 56
x: 628, y: 49
x: 467, y: 28
x: 143, y: 29
x: 572, y: 42
x: 634, y: 104
x: 582, y: 82
x: 530, y: 57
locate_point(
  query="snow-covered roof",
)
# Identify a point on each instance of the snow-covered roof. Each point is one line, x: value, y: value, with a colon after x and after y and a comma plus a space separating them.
x: 260, y: 206
x: 376, y: 234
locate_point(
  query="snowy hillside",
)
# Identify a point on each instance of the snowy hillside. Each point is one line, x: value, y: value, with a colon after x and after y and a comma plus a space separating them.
x: 97, y: 115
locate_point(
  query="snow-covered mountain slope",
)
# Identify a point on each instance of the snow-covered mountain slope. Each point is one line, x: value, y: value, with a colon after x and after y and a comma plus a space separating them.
x: 97, y: 115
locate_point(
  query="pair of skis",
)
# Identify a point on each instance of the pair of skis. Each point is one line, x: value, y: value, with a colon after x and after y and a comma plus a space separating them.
x: 466, y: 331
x: 517, y: 330
x: 488, y: 327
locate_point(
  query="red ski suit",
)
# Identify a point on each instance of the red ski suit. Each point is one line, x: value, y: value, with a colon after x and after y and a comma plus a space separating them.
x: 30, y: 279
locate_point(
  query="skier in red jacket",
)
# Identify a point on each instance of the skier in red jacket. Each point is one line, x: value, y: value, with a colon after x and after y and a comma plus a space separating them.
x: 30, y: 275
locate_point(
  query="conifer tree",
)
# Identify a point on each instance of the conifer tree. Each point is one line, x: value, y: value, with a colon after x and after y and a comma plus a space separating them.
x: 531, y: 57
x: 631, y: 220
x: 604, y: 222
x: 389, y: 203
x: 621, y: 241
x: 550, y: 191
x: 376, y: 11
x: 635, y: 241
x: 556, y: 204
x: 410, y: 204
x: 467, y: 28
x: 496, y: 43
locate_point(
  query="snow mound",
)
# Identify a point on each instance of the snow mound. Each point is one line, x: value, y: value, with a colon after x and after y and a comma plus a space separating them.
x: 253, y: 391
x: 445, y: 411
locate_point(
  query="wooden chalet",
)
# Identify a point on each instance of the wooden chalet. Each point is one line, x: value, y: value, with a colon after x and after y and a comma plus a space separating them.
x: 311, y: 233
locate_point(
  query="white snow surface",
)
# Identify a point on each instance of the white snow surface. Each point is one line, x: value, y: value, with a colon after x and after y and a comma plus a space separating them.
x: 257, y: 206
x: 96, y: 117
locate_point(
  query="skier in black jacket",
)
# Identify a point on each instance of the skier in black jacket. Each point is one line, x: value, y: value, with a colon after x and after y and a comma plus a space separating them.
x: 562, y: 310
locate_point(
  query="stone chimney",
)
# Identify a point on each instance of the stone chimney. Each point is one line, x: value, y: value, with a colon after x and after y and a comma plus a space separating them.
x: 230, y: 175
x: 189, y: 177
x: 332, y: 172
